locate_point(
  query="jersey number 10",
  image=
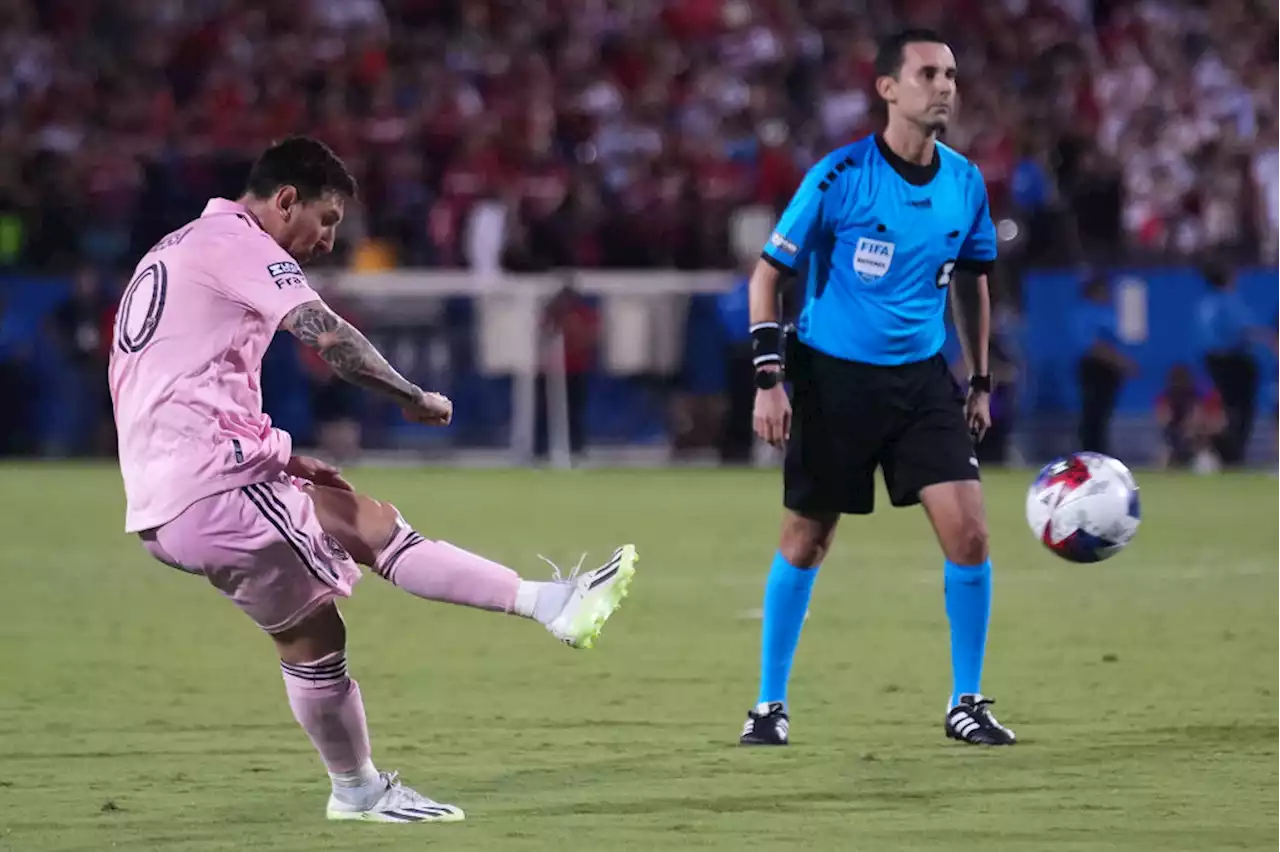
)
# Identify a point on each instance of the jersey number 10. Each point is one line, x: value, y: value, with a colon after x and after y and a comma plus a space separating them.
x: 141, y: 307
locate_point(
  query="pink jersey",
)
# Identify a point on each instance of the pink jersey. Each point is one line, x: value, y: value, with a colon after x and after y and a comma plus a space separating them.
x: 186, y: 362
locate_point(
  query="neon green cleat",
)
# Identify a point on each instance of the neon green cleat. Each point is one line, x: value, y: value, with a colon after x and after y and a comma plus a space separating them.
x: 595, y: 596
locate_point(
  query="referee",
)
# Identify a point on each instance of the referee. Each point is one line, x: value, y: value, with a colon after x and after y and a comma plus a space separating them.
x: 878, y: 233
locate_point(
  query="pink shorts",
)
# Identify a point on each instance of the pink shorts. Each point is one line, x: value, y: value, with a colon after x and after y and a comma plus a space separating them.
x: 262, y: 546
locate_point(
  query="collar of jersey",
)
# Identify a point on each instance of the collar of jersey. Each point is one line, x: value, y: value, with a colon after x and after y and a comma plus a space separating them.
x: 913, y: 173
x: 226, y: 205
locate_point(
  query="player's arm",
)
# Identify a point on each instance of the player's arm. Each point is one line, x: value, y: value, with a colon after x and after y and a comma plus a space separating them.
x: 971, y: 310
x: 251, y: 270
x: 970, y: 287
x: 766, y: 330
x: 350, y: 354
x: 788, y: 248
x: 771, y: 417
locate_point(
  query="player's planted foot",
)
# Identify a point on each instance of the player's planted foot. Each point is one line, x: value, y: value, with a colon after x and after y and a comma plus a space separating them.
x: 393, y: 802
x: 767, y: 724
x: 971, y: 721
x: 593, y: 598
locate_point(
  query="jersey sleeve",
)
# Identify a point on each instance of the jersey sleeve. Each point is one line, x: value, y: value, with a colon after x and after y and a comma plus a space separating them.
x: 978, y: 252
x: 263, y: 277
x: 797, y: 229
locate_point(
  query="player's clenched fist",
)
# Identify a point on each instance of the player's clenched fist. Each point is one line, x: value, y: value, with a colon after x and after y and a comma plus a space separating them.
x: 433, y: 409
x: 773, y: 415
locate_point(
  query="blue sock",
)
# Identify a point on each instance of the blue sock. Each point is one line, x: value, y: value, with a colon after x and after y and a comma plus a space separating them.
x: 968, y: 594
x: 786, y: 600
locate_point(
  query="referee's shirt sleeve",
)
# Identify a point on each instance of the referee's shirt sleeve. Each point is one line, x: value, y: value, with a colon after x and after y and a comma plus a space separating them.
x: 797, y: 229
x: 978, y: 252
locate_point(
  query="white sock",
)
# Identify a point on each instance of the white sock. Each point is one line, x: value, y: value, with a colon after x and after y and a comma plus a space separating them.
x: 541, y: 601
x: 359, y: 786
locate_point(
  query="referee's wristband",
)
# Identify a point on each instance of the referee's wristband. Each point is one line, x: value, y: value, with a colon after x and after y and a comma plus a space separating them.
x: 982, y: 384
x: 766, y: 343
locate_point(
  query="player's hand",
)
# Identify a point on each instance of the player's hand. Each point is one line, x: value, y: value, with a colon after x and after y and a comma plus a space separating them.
x: 433, y: 409
x: 977, y: 413
x: 314, y: 470
x: 772, y: 415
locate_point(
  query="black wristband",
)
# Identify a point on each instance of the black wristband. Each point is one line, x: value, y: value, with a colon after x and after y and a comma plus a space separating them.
x: 980, y: 383
x: 766, y: 343
x: 767, y: 379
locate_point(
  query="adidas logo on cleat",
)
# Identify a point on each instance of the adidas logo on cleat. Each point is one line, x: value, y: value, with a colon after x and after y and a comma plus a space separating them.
x: 971, y: 721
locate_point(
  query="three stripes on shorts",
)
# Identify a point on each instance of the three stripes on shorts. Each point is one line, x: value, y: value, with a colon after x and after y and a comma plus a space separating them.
x: 277, y: 514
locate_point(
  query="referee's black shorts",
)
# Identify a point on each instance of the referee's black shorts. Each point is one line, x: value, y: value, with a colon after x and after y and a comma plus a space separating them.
x: 849, y: 418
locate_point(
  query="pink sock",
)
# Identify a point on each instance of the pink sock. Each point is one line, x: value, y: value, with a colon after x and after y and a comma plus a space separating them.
x: 438, y: 571
x: 327, y: 704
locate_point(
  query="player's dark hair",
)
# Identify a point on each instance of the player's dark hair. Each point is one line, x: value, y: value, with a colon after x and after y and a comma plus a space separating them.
x: 306, y: 164
x: 889, y: 52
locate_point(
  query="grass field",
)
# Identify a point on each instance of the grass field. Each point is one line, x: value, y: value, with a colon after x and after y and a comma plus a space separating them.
x: 139, y: 711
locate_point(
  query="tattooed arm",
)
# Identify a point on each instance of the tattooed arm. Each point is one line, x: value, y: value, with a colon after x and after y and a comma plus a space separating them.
x: 349, y: 352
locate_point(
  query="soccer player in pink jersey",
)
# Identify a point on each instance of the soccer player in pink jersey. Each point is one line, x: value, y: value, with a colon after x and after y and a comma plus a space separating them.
x: 214, y: 489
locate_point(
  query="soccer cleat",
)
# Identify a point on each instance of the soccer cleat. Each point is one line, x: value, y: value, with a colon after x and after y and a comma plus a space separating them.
x: 397, y: 803
x: 595, y: 596
x: 971, y: 722
x: 767, y: 724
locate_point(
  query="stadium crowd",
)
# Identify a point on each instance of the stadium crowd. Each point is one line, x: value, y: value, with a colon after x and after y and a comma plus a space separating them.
x: 614, y: 133
x: 625, y: 132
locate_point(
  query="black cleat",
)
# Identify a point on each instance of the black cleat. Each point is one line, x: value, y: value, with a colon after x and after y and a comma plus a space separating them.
x: 971, y: 722
x: 767, y: 724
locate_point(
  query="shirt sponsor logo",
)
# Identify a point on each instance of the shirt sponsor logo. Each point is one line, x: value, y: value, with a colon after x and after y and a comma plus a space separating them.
x: 282, y: 268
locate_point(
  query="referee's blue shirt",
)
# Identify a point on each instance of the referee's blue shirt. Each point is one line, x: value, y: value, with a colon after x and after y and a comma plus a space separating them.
x: 876, y: 240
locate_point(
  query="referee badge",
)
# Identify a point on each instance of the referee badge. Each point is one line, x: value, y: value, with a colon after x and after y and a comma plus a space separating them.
x: 871, y: 259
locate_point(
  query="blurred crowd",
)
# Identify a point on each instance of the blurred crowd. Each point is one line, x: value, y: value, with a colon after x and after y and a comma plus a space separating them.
x: 625, y: 132
x: 630, y: 133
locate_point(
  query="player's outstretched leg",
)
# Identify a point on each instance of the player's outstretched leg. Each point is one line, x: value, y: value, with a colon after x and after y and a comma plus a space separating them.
x: 574, y: 608
x: 805, y: 541
x: 955, y: 509
x: 327, y: 704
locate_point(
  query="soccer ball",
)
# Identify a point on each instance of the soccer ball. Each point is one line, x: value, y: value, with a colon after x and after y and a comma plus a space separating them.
x: 1084, y: 507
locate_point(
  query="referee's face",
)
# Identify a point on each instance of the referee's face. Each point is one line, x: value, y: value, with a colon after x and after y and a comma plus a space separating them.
x: 925, y: 89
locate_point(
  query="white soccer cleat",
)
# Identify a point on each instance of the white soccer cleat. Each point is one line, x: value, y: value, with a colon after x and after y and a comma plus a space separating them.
x: 397, y: 803
x: 595, y: 596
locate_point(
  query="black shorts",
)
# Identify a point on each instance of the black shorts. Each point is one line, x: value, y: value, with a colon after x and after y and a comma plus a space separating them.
x: 850, y: 418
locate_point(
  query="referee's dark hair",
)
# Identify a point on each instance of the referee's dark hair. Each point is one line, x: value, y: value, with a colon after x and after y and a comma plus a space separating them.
x: 889, y: 52
x: 308, y: 165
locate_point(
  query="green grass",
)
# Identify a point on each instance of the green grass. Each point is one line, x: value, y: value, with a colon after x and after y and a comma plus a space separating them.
x: 139, y: 711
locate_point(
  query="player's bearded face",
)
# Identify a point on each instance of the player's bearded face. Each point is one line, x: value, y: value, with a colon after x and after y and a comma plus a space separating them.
x: 309, y: 228
x: 925, y: 89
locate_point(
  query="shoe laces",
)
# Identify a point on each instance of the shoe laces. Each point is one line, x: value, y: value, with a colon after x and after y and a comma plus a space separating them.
x: 982, y: 709
x: 397, y: 795
x: 557, y: 576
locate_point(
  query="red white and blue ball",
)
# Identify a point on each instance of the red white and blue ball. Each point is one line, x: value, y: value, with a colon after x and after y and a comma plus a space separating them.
x: 1084, y: 507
